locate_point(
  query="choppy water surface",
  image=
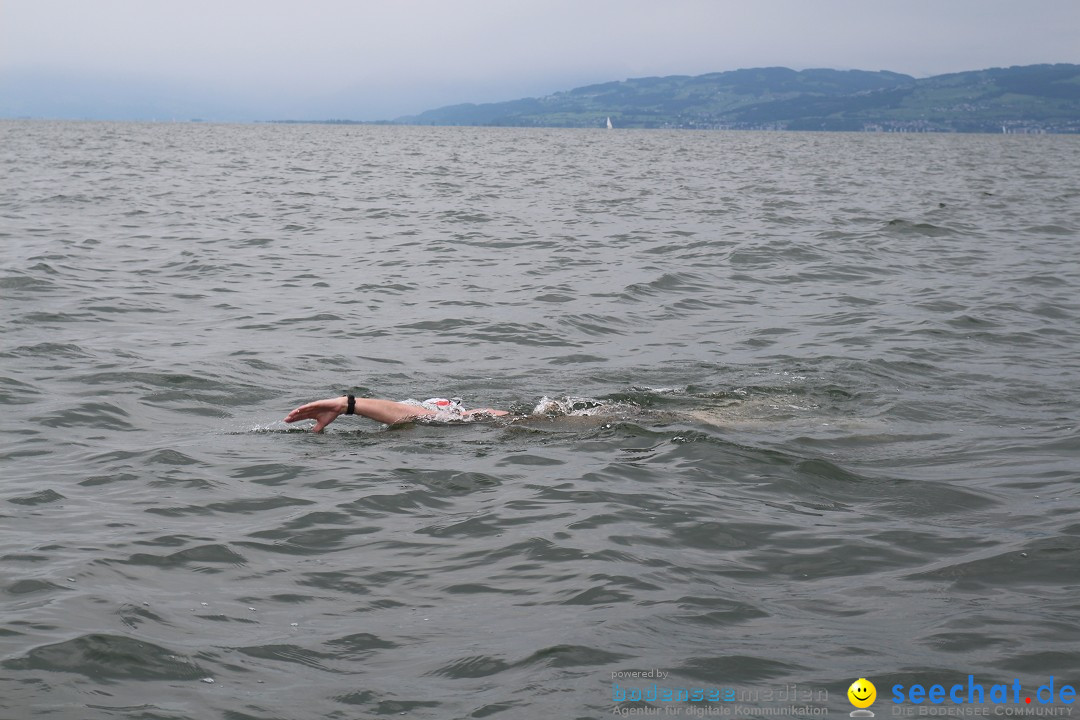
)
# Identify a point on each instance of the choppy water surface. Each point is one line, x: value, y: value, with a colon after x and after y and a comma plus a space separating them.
x: 811, y: 415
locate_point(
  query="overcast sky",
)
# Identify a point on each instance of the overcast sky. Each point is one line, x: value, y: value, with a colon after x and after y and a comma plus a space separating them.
x: 360, y: 59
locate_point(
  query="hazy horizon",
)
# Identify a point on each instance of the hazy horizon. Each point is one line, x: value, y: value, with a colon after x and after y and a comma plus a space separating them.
x: 249, y: 60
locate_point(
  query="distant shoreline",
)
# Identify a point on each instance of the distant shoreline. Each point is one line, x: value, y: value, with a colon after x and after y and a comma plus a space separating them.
x: 391, y: 123
x: 1019, y: 100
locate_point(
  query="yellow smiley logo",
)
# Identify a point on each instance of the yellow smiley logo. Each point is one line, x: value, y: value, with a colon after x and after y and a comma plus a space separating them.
x: 862, y: 693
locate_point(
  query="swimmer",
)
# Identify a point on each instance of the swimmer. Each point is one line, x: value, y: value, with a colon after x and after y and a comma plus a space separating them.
x: 324, y: 412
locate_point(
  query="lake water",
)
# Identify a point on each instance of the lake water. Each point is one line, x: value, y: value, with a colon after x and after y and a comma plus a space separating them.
x: 810, y: 414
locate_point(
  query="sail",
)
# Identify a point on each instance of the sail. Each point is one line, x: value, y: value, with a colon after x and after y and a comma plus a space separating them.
x: 609, y: 125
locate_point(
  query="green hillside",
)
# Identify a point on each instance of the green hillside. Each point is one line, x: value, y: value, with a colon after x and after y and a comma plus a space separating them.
x: 1035, y: 98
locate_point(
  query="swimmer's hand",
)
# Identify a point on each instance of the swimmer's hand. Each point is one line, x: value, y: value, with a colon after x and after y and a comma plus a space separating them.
x: 323, y: 412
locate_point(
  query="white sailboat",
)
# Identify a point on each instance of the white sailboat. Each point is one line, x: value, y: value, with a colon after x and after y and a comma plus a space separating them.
x: 609, y: 125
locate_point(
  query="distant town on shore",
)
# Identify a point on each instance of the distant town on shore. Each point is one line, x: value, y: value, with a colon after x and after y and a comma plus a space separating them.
x: 1027, y: 99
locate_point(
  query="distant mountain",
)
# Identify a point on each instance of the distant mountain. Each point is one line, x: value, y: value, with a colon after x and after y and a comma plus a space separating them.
x: 1034, y: 98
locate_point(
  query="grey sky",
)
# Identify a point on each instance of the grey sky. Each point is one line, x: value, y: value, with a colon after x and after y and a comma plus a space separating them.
x: 258, y: 59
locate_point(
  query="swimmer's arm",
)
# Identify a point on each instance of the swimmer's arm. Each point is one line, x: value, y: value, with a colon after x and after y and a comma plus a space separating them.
x: 324, y: 412
x: 486, y: 411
